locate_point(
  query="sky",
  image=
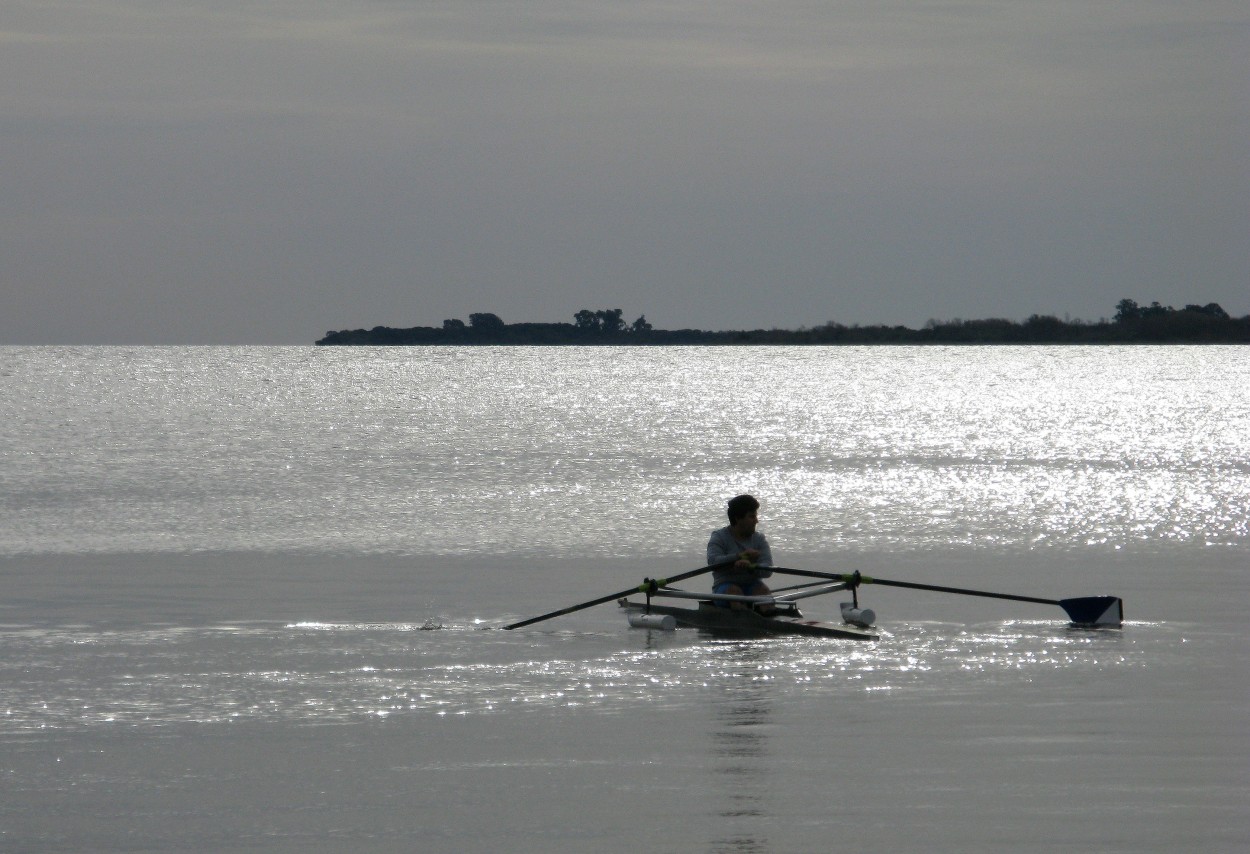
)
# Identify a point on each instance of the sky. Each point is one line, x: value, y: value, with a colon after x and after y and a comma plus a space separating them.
x: 244, y: 172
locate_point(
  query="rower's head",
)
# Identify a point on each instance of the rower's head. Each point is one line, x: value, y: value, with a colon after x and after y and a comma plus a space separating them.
x: 741, y: 506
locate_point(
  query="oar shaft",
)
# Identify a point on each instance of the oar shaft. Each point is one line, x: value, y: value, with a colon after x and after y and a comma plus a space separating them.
x: 960, y: 590
x: 571, y: 609
x: 865, y: 579
x: 1086, y: 611
x: 641, y: 588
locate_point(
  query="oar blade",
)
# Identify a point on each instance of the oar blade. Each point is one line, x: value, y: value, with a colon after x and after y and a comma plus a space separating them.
x: 1105, y: 612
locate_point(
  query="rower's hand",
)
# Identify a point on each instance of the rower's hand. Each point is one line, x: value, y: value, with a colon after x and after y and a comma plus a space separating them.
x: 747, y: 558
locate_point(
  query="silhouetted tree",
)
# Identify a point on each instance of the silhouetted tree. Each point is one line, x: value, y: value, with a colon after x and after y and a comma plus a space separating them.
x: 1211, y: 309
x: 610, y: 320
x: 1126, y: 310
x: 1043, y: 327
x: 485, y: 320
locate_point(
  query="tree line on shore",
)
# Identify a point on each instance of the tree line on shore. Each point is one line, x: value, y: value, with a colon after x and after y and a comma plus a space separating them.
x: 1132, y: 324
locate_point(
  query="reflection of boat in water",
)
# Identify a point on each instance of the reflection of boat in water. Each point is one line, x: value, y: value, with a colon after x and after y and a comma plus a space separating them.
x: 741, y: 763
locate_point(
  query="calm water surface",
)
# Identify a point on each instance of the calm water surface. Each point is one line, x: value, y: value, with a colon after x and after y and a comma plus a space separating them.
x: 249, y: 599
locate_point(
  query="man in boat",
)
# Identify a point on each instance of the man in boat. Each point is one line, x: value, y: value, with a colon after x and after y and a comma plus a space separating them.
x: 742, y: 551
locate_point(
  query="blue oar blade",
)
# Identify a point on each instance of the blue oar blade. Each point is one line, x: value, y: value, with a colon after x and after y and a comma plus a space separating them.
x: 1095, y: 611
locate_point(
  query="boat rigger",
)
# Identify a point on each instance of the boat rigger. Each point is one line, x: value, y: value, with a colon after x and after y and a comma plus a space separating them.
x: 778, y: 613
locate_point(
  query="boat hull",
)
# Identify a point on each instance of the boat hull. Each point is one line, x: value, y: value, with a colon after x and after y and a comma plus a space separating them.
x: 747, y: 623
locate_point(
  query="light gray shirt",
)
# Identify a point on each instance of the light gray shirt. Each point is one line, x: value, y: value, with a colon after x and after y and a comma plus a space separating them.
x: 723, y: 546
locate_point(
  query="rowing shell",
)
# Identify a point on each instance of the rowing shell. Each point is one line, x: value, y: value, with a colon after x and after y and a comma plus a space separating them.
x: 745, y: 622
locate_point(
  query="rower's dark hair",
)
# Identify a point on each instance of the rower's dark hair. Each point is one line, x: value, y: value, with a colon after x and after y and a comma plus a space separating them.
x: 741, y: 505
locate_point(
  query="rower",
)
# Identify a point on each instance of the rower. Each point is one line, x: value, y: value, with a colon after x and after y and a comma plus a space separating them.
x: 742, y: 552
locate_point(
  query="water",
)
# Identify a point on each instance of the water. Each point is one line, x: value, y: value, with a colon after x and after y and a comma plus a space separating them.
x: 249, y: 599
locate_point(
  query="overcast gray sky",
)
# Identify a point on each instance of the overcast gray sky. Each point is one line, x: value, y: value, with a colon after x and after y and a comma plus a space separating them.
x: 221, y: 171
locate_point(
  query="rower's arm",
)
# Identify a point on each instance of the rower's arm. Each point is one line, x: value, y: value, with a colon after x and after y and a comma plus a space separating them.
x: 764, y: 564
x: 721, y: 549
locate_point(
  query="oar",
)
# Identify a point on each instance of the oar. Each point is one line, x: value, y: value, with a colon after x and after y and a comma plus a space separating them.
x: 641, y: 588
x: 1083, y: 611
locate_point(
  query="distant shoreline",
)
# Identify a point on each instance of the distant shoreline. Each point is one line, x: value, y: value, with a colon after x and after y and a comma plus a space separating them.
x: 1133, y: 324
